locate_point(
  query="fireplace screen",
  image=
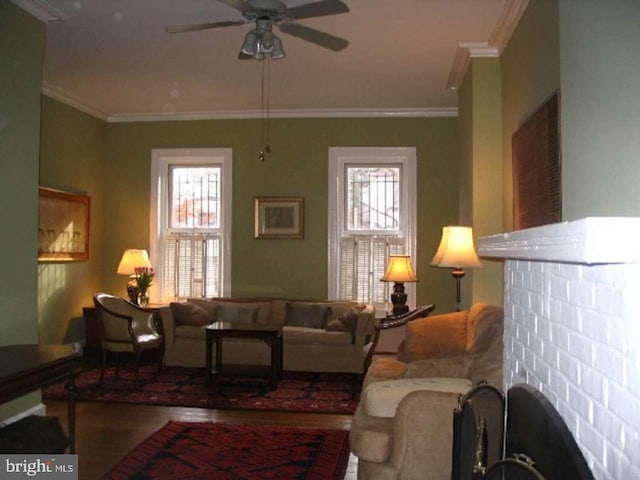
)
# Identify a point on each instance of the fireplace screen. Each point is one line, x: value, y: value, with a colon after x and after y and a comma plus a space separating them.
x: 537, y: 443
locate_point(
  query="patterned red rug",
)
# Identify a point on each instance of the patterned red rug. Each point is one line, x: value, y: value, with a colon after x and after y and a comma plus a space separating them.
x: 185, y: 387
x: 236, y: 452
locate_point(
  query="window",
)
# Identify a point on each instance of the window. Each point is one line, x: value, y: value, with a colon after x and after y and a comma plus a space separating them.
x: 191, y: 222
x: 372, y: 197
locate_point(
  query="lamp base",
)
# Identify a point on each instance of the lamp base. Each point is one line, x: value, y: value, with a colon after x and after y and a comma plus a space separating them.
x: 399, y: 299
x: 458, y: 273
x: 132, y: 292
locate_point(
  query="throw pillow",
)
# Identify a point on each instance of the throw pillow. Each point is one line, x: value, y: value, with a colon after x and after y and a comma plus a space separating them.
x: 345, y: 322
x: 310, y: 315
x: 186, y: 313
x: 237, y: 313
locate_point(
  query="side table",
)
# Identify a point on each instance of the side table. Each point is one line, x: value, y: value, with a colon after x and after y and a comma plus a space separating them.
x: 270, y: 334
x: 25, y: 368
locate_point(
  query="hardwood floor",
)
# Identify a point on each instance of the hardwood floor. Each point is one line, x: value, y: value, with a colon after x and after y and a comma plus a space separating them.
x: 106, y: 432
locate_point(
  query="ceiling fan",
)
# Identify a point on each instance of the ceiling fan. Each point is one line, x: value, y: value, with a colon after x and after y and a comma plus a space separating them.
x: 266, y: 13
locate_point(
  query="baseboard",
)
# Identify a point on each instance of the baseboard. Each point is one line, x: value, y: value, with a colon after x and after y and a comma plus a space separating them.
x: 39, y: 409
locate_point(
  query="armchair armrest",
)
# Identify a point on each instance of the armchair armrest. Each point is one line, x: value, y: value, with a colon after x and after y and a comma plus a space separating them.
x: 168, y: 325
x: 394, y: 322
x: 365, y: 326
x: 412, y: 442
x: 128, y: 324
x: 399, y: 320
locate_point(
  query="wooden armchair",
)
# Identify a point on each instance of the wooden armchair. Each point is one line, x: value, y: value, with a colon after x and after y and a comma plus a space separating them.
x: 126, y: 328
x: 394, y: 321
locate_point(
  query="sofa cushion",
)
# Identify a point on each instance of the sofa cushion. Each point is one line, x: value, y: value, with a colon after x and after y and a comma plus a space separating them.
x: 264, y: 307
x: 209, y: 306
x: 237, y: 312
x: 189, y: 331
x: 187, y: 313
x: 442, y: 335
x: 310, y: 315
x: 292, y: 334
x: 381, y: 399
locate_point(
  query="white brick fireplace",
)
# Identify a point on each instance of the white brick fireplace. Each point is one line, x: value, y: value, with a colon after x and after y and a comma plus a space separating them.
x: 572, y: 330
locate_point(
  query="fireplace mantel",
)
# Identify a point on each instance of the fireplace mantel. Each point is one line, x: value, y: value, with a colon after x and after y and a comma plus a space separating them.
x: 571, y: 331
x: 590, y: 241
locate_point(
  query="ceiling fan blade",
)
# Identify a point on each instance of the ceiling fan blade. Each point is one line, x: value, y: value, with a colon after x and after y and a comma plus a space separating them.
x: 323, y: 39
x: 203, y: 26
x: 239, y: 5
x: 316, y: 9
x: 244, y: 56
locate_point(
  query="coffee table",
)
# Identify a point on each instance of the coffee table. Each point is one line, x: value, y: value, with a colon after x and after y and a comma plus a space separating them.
x: 270, y: 334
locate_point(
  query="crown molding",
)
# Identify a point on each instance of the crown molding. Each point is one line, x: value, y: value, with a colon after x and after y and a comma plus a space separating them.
x: 288, y: 113
x: 510, y: 15
x: 76, y: 102
x: 464, y: 53
x: 73, y: 101
x: 41, y: 9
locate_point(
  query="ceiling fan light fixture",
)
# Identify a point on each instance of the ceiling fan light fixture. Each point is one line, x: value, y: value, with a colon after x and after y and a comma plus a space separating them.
x: 266, y: 41
x: 250, y: 45
x: 278, y: 49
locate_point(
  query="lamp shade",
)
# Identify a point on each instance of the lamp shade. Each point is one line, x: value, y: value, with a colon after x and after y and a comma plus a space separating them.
x: 132, y: 259
x: 456, y: 249
x: 399, y: 269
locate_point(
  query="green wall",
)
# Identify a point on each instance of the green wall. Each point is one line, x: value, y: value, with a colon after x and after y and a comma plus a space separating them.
x: 298, y: 166
x: 71, y: 159
x: 600, y: 107
x: 21, y: 53
x: 530, y: 73
x: 481, y: 196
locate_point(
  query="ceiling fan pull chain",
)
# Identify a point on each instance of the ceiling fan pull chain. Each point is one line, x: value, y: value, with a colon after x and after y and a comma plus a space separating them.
x: 267, y: 146
x: 261, y: 157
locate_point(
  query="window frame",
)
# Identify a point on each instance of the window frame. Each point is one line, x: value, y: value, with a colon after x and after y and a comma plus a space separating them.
x: 339, y: 159
x: 161, y: 160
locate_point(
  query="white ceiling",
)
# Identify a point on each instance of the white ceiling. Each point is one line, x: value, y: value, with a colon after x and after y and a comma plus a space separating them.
x: 114, y: 59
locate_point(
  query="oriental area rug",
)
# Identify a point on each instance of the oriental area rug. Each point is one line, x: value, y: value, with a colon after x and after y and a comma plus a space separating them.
x: 336, y: 393
x: 182, y: 450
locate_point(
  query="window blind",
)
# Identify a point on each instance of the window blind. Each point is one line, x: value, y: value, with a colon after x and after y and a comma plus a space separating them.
x: 363, y: 260
x: 192, y: 265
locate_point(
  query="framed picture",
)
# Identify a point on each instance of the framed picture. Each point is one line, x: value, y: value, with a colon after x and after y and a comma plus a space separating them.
x: 63, y: 226
x: 279, y: 217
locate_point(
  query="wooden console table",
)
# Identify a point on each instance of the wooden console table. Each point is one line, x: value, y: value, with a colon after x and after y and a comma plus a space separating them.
x: 25, y: 368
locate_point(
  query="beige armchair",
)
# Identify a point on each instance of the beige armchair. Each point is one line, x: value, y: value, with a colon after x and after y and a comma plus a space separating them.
x: 403, y: 426
x: 126, y: 328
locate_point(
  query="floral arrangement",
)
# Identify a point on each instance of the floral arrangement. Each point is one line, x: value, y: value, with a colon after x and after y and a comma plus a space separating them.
x: 143, y: 278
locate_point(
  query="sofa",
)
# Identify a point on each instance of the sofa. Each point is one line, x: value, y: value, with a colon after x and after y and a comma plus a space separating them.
x: 402, y: 427
x: 318, y: 336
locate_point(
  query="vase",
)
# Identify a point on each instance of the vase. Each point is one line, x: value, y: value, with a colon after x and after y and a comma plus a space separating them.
x: 143, y: 299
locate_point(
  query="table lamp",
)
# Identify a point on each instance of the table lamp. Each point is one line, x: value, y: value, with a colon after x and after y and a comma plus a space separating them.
x: 399, y: 271
x: 456, y: 251
x: 131, y: 259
